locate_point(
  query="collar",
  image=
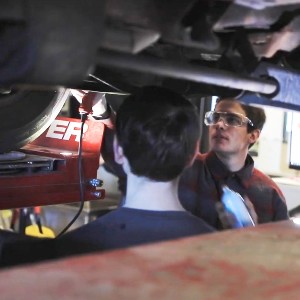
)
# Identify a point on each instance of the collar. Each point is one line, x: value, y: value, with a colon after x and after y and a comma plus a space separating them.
x: 220, y: 171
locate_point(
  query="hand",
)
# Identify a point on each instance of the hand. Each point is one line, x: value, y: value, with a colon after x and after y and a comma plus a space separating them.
x: 99, y: 104
x: 78, y: 94
x: 229, y: 219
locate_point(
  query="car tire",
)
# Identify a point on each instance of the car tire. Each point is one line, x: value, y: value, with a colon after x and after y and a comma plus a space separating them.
x: 27, y: 114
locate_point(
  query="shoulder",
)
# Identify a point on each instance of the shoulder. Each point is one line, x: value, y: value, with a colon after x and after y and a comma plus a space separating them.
x: 258, y: 177
x: 196, y: 222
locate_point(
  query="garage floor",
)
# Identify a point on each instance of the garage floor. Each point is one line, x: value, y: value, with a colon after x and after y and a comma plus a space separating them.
x: 57, y: 217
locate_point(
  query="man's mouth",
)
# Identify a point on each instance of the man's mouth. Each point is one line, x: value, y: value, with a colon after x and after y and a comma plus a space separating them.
x: 220, y: 137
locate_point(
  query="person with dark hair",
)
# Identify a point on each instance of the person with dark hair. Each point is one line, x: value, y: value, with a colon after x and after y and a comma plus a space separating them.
x: 157, y: 137
x: 233, y: 128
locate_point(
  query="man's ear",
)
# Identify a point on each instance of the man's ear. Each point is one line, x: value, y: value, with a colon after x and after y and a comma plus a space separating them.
x: 253, y: 136
x: 118, y: 152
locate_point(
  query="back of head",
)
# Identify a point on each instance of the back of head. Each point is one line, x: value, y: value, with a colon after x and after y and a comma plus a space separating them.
x: 158, y: 130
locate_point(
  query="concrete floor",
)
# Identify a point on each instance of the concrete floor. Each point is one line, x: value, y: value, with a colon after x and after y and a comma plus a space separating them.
x: 57, y: 217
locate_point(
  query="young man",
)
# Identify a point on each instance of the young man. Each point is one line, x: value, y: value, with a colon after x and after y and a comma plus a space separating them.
x: 233, y: 129
x: 157, y: 137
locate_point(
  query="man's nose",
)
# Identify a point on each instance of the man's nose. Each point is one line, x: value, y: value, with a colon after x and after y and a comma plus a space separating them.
x: 220, y: 123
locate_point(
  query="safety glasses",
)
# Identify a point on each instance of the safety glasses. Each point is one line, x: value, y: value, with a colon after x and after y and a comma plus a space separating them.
x: 229, y: 119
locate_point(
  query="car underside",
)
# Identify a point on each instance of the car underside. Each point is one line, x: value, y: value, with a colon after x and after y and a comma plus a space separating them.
x: 248, y: 49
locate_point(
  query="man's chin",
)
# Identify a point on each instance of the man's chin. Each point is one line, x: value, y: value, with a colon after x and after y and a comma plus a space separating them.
x: 219, y: 148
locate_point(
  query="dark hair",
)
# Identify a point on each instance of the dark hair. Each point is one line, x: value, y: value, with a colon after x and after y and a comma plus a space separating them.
x: 255, y: 114
x: 158, y: 130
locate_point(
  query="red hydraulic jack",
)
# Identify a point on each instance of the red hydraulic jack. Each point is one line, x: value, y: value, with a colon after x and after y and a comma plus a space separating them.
x: 48, y: 171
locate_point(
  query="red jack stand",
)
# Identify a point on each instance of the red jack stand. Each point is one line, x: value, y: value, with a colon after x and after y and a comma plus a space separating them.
x: 48, y: 174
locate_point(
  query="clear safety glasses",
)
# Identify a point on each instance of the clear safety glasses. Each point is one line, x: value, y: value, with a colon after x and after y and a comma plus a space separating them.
x: 229, y: 119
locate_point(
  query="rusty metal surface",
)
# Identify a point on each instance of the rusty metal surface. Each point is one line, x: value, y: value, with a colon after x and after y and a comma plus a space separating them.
x: 256, y: 263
